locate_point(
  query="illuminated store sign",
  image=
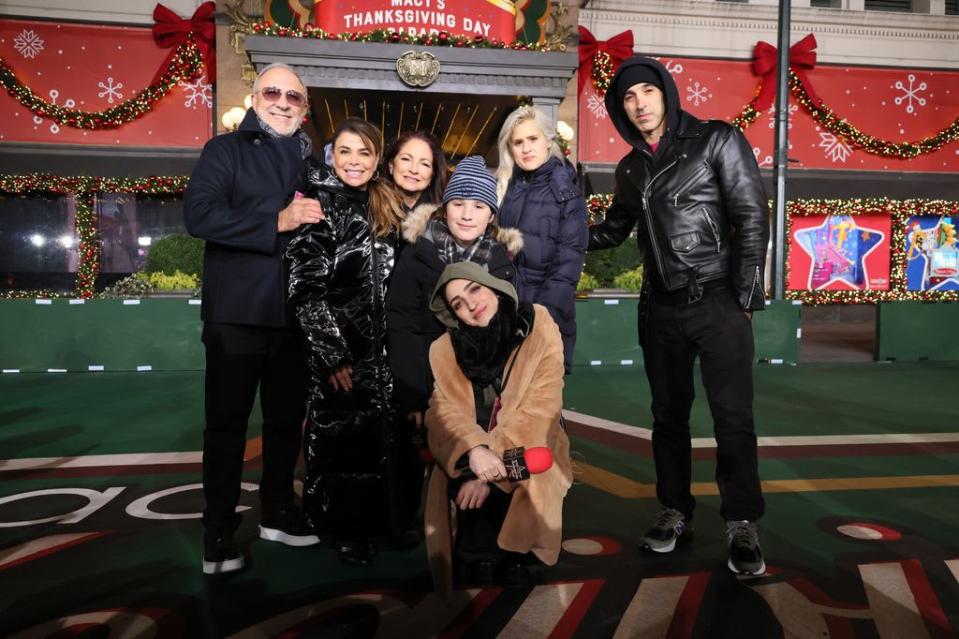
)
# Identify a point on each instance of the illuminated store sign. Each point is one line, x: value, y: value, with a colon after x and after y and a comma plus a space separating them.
x: 488, y: 19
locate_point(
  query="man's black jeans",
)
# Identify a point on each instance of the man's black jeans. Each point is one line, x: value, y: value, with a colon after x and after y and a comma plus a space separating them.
x: 715, y: 329
x: 240, y: 359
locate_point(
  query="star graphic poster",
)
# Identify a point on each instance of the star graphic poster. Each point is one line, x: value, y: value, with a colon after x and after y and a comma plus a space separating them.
x: 840, y: 253
x: 931, y: 253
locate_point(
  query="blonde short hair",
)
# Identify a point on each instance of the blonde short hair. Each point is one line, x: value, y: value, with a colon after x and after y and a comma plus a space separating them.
x: 506, y: 162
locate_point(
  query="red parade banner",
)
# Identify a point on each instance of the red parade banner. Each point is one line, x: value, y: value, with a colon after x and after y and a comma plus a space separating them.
x: 489, y: 19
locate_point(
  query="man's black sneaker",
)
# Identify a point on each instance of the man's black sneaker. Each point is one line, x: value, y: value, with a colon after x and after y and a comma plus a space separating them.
x: 745, y: 555
x: 670, y: 526
x: 220, y: 555
x: 288, y: 527
x: 355, y: 552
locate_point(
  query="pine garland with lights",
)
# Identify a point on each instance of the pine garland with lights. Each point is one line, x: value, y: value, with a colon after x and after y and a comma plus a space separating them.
x: 185, y: 64
x: 746, y: 117
x: 603, y: 72
x: 85, y: 188
x: 596, y: 205
x: 388, y: 36
x: 841, y: 128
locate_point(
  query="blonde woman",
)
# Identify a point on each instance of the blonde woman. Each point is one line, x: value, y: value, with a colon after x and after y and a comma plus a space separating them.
x: 539, y: 197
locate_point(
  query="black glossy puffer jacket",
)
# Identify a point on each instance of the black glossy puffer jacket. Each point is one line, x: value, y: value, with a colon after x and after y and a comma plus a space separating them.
x: 338, y: 279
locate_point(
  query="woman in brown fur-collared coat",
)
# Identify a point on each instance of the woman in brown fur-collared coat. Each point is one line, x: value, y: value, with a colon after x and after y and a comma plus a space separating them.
x: 498, y: 385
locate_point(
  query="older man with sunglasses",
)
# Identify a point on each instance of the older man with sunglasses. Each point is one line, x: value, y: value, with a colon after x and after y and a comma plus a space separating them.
x: 243, y: 199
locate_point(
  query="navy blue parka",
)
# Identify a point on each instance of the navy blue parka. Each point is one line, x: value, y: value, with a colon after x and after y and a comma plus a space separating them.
x: 548, y: 208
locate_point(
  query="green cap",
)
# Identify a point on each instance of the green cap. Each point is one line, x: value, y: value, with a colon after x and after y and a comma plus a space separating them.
x: 465, y: 271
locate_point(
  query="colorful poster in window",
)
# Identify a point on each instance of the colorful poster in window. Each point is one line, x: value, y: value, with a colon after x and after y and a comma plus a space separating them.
x: 839, y: 253
x: 932, y: 257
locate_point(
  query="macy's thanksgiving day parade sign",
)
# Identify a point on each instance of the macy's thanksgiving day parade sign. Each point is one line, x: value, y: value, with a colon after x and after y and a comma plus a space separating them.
x: 488, y: 19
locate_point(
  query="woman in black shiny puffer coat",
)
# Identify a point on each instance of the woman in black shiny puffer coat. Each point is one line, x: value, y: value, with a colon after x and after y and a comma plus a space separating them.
x: 339, y: 269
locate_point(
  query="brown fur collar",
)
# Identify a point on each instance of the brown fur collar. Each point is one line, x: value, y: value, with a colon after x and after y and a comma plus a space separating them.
x: 419, y: 218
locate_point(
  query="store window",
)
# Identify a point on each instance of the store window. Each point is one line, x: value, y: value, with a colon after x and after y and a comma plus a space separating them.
x: 38, y: 242
x: 130, y: 225
x: 889, y: 5
x: 38, y: 239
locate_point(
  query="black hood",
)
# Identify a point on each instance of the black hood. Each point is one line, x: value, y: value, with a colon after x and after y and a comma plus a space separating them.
x: 614, y: 103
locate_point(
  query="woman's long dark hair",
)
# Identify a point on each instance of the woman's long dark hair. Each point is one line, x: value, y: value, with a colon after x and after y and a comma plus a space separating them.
x: 434, y: 190
x: 386, y: 210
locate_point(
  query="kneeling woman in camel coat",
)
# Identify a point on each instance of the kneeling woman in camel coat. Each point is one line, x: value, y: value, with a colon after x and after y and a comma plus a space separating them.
x: 498, y: 385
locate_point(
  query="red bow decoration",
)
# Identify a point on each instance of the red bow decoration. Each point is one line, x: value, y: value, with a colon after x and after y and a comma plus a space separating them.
x: 619, y: 47
x: 802, y: 58
x: 171, y: 31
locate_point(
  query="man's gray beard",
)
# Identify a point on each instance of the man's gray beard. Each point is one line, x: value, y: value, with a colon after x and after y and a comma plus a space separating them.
x: 273, y: 133
x: 306, y: 145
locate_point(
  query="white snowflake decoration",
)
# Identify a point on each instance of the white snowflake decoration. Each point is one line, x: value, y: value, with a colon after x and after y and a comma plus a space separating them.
x: 28, y: 43
x: 910, y: 93
x: 835, y: 149
x: 698, y: 94
x: 596, y: 106
x: 197, y: 93
x: 54, y: 127
x: 764, y: 161
x: 110, y: 90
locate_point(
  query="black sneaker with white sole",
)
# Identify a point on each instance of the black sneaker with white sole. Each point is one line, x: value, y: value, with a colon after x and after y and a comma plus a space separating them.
x: 745, y: 555
x: 670, y: 526
x: 288, y: 527
x: 220, y: 555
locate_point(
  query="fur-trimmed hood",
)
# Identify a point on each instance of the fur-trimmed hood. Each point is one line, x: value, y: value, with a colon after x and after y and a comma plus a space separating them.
x: 417, y: 223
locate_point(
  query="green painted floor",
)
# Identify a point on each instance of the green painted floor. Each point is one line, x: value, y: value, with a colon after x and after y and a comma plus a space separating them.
x: 846, y: 560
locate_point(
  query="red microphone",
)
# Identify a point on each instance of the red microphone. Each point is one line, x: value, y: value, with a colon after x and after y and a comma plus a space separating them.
x: 520, y: 463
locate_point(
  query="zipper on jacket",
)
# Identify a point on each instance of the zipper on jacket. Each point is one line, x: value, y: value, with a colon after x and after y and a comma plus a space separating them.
x: 712, y: 227
x: 752, y: 289
x: 686, y: 184
x: 649, y: 221
x: 377, y: 332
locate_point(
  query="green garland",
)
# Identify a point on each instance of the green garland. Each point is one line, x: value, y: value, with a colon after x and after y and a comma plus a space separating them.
x: 84, y: 189
x: 185, y: 64
x: 830, y: 121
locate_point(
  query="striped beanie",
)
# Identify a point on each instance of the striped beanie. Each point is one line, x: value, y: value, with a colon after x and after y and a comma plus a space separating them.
x: 472, y: 181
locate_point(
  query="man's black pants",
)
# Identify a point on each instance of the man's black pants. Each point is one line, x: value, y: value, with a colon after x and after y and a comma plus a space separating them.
x: 240, y: 359
x: 717, y: 330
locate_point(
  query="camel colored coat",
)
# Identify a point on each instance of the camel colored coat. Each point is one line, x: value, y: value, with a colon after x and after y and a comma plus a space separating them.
x: 529, y: 416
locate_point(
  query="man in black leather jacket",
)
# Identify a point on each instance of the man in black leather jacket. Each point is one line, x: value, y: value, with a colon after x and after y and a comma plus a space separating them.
x: 692, y: 190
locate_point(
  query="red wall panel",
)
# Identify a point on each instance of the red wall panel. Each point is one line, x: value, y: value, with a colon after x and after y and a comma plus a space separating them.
x: 92, y: 68
x: 899, y: 105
